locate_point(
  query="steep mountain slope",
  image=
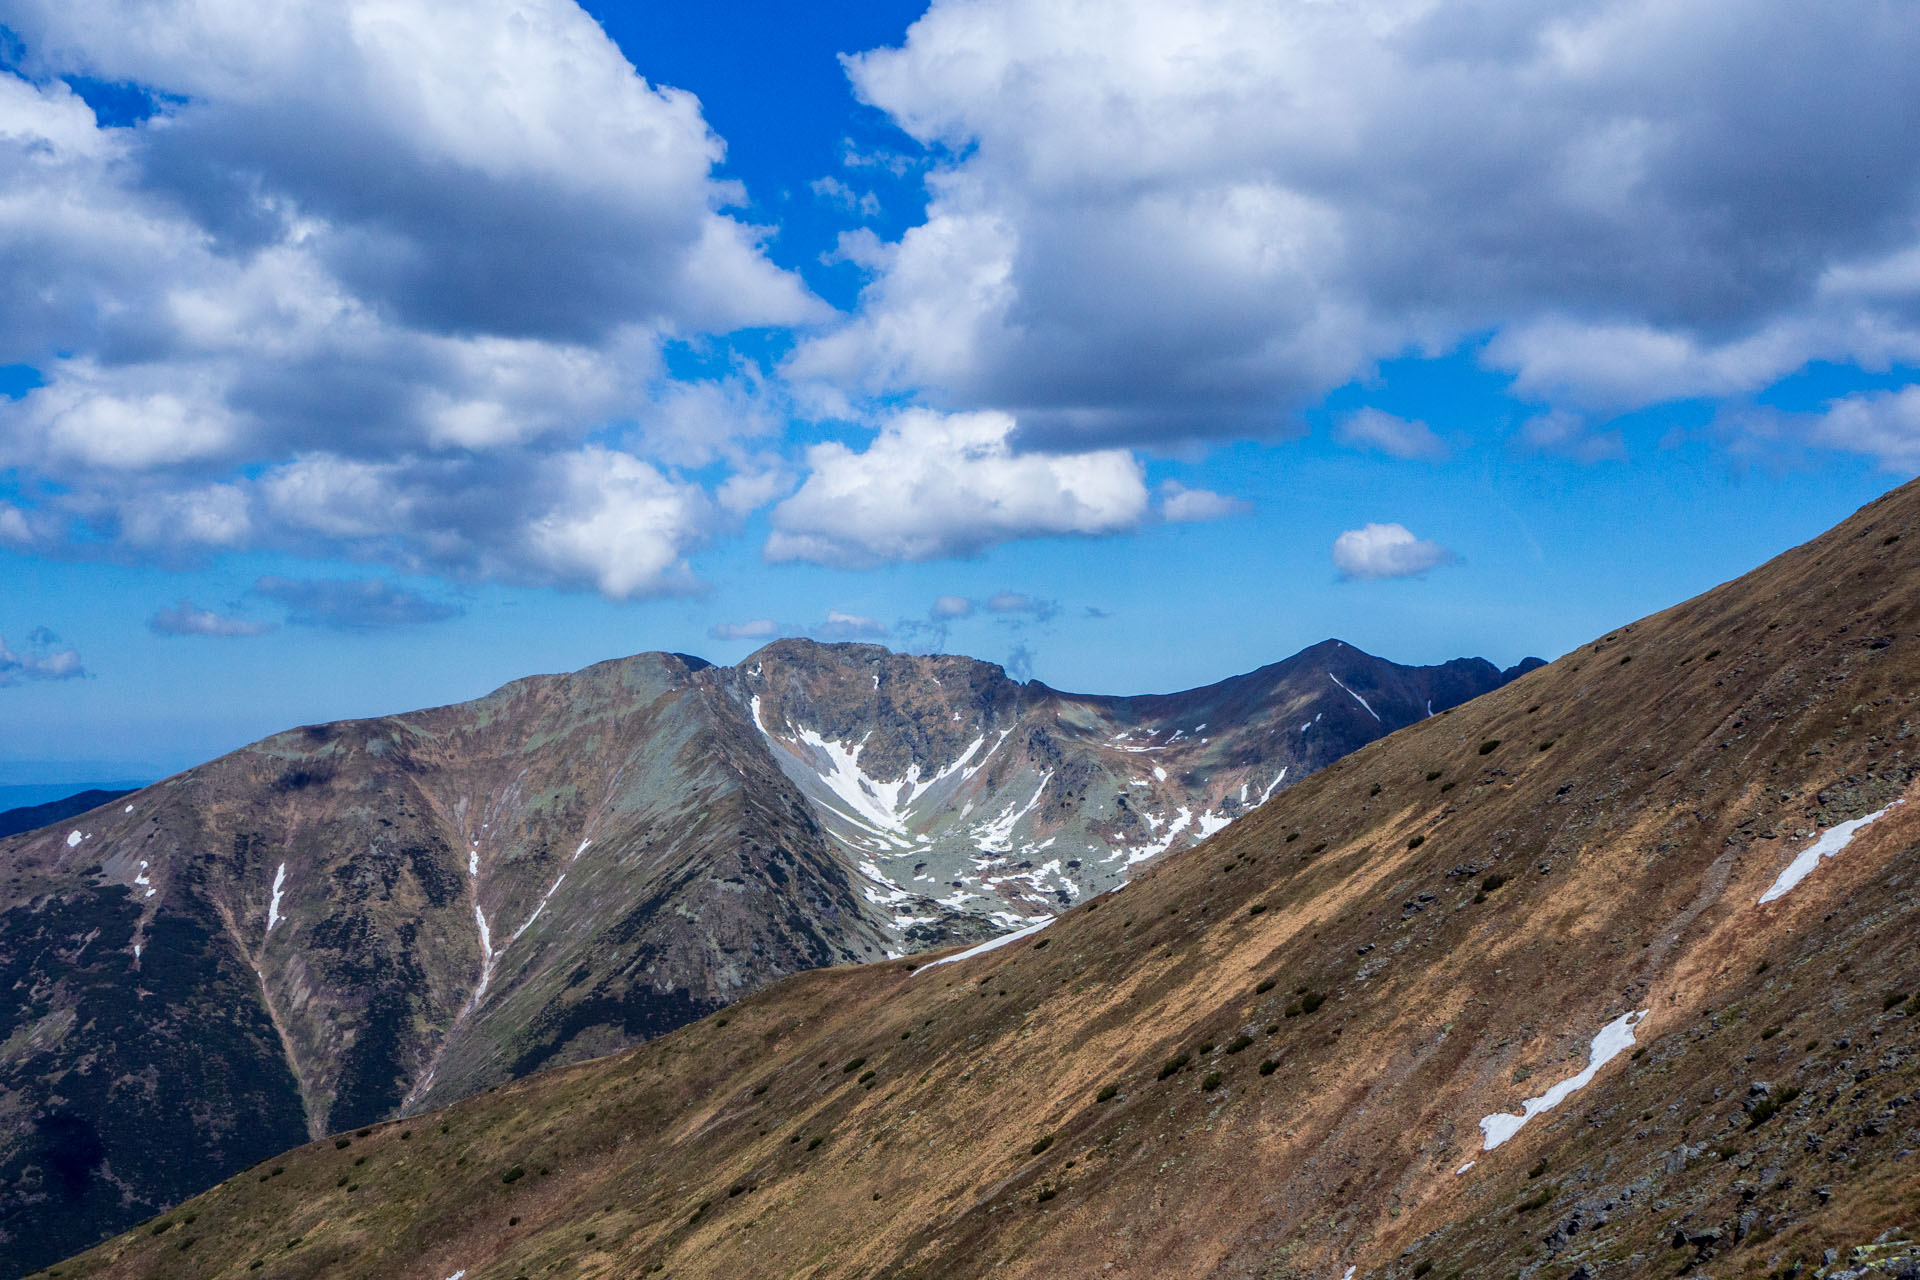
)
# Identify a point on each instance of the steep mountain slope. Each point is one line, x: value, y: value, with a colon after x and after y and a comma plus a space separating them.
x: 352, y: 921
x: 1589, y: 915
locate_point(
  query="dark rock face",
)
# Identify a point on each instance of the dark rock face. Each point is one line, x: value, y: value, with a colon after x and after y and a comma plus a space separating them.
x: 346, y: 922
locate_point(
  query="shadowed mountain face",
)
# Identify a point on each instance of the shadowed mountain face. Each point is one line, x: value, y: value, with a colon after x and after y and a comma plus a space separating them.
x: 33, y: 817
x: 1608, y: 973
x: 347, y: 922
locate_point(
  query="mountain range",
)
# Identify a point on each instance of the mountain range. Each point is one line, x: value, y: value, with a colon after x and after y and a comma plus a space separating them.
x: 350, y: 922
x: 1609, y: 972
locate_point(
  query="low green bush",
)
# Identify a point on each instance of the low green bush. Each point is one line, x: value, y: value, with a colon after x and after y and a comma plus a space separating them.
x: 1487, y: 748
x: 1210, y: 1082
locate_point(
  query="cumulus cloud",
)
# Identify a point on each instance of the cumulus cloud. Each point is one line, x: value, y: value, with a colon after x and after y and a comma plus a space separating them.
x: 1384, y: 433
x: 1018, y: 602
x: 1882, y: 424
x: 366, y: 283
x: 949, y: 607
x: 933, y: 485
x: 753, y: 629
x: 352, y: 604
x: 1181, y: 505
x: 41, y: 661
x: 849, y: 626
x: 186, y: 619
x: 1155, y: 219
x: 1386, y: 551
x: 1567, y: 434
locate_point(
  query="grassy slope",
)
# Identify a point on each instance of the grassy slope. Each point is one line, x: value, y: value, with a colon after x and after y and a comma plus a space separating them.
x: 1636, y: 846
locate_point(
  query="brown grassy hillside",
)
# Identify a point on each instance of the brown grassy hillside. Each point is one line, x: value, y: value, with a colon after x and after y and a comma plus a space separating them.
x: 1269, y: 1056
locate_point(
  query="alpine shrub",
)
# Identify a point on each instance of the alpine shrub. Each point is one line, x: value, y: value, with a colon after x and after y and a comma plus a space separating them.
x: 1040, y: 1146
x: 1487, y: 747
x: 1107, y: 1093
x: 1210, y: 1082
x: 1174, y: 1064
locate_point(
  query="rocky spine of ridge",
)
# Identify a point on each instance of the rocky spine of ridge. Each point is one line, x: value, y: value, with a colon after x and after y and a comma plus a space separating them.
x: 1607, y: 973
x: 351, y: 921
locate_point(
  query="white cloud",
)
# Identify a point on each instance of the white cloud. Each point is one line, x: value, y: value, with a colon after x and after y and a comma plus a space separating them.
x: 366, y: 285
x: 1562, y: 432
x: 1181, y: 505
x: 1882, y: 424
x: 187, y: 619
x: 41, y: 661
x: 1155, y: 219
x: 1396, y: 437
x: 845, y: 198
x: 849, y: 626
x: 618, y: 524
x: 948, y: 607
x: 755, y: 629
x: 1386, y: 551
x: 933, y: 485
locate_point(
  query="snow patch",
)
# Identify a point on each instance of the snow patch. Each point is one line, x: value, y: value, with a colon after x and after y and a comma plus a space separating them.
x: 1265, y: 795
x: 486, y: 956
x: 1356, y: 697
x: 1614, y: 1039
x: 1463, y: 1168
x: 473, y: 862
x: 989, y: 945
x: 544, y: 899
x: 273, y: 907
x: 140, y: 878
x: 997, y: 836
x: 128, y: 809
x: 74, y: 839
x: 1830, y: 843
x: 1159, y: 773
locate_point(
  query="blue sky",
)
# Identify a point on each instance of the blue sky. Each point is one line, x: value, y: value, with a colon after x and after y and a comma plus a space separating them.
x: 374, y: 356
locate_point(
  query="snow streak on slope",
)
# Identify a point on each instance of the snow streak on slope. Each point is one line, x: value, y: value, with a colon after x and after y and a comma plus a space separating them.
x: 990, y: 945
x: 1831, y: 842
x: 273, y: 907
x: 1356, y: 697
x: 1614, y: 1039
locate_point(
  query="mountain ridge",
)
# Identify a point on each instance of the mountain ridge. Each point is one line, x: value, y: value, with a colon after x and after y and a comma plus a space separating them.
x: 1606, y: 973
x: 349, y: 921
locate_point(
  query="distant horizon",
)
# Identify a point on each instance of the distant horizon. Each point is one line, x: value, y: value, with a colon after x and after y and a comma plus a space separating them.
x: 58, y: 778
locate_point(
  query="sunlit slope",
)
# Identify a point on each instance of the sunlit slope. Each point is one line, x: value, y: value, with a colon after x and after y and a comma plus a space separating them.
x: 1273, y: 1055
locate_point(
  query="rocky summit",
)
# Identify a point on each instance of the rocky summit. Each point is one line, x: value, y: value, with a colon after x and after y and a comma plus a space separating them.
x: 1609, y: 972
x: 351, y: 922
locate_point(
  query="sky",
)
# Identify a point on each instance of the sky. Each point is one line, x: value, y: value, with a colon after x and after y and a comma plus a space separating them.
x: 367, y: 355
